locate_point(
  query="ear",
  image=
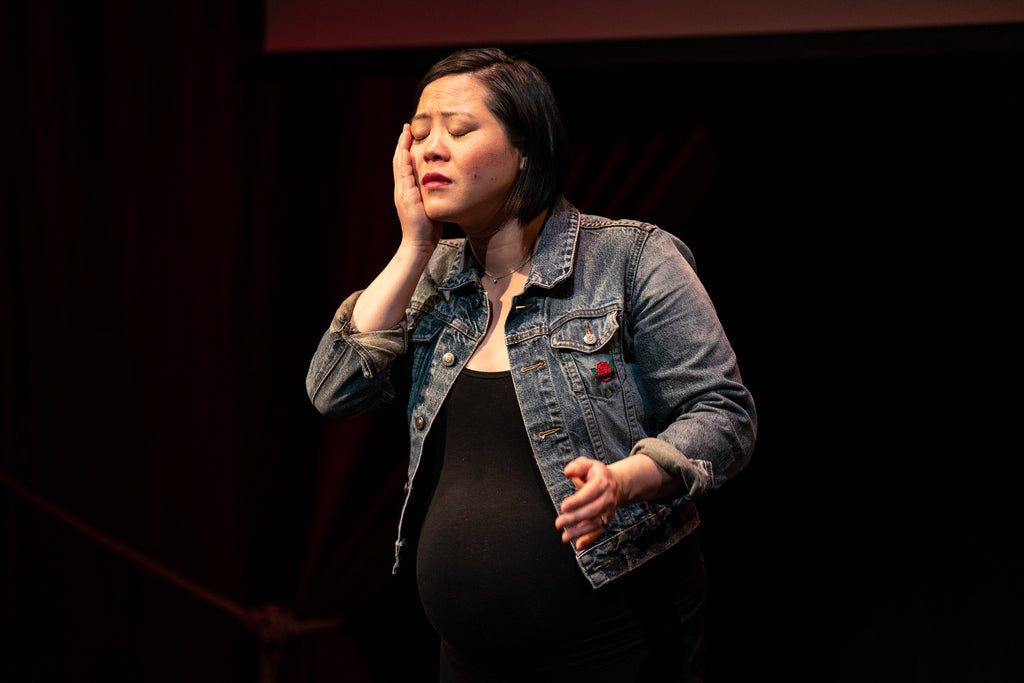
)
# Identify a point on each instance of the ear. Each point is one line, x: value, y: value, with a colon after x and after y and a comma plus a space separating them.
x: 522, y: 163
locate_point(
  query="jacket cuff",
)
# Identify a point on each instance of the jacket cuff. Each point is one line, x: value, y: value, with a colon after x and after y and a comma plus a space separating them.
x: 342, y: 317
x: 696, y: 475
x: 376, y: 350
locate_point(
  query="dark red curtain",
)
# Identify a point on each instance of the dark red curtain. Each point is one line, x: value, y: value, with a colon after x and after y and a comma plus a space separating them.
x: 153, y: 351
x: 182, y: 215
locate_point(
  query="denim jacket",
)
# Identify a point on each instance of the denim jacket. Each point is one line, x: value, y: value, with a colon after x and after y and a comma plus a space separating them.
x: 615, y: 349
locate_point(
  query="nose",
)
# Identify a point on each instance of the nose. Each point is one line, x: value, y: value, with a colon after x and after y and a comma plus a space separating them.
x: 435, y: 148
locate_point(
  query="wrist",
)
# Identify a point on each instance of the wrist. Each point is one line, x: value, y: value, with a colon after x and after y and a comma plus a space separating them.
x: 415, y: 249
x: 641, y: 478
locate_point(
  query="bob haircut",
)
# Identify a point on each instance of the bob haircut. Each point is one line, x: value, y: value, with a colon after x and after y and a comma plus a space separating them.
x: 520, y: 97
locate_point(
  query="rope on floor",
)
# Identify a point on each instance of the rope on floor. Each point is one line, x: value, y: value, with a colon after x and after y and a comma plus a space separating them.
x: 273, y: 626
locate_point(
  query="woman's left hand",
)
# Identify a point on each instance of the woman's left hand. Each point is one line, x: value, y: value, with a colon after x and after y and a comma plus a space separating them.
x: 586, y: 513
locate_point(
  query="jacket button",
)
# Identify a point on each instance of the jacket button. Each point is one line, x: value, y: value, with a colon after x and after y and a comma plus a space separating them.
x: 448, y: 359
x: 418, y: 421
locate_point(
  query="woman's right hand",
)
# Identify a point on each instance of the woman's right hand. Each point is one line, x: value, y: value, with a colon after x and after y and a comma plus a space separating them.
x: 418, y: 230
x: 382, y: 304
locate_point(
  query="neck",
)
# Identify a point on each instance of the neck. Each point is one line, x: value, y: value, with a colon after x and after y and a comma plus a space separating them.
x: 508, y: 247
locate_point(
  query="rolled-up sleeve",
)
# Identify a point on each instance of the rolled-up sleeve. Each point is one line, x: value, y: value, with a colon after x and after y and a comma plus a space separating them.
x: 351, y: 370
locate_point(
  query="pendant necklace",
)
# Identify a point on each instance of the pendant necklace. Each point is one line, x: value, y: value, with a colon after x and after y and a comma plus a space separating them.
x: 495, y: 278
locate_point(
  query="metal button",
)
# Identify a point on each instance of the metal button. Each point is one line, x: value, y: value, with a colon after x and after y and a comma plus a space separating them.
x: 418, y: 421
x: 448, y: 359
x: 589, y: 338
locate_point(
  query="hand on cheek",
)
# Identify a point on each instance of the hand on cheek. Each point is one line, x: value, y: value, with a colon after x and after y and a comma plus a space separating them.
x: 417, y: 228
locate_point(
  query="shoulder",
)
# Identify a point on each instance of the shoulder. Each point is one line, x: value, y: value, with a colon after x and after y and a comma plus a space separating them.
x: 642, y: 239
x: 448, y: 249
x: 441, y: 272
x: 600, y: 223
x: 446, y: 257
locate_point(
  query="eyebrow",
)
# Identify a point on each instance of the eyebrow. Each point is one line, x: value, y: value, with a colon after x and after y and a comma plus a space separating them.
x: 444, y: 114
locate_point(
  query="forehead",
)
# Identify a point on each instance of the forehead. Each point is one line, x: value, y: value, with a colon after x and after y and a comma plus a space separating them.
x: 460, y: 92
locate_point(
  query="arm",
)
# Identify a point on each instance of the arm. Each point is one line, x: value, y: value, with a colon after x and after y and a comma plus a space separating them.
x: 349, y: 371
x: 383, y: 303
x: 703, y: 421
x: 602, y: 488
x: 694, y: 396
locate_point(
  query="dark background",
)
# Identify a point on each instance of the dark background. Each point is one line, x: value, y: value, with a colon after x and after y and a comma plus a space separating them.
x: 182, y: 213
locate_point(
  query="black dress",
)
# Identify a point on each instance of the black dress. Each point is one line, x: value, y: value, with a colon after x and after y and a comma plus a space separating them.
x: 506, y: 595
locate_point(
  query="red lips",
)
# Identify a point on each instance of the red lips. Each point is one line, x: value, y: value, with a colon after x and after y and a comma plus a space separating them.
x: 434, y: 180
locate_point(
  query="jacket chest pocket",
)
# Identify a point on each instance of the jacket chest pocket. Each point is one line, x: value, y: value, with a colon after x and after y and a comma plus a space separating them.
x: 589, y: 347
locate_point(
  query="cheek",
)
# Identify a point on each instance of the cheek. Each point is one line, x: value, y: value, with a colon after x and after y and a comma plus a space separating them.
x: 497, y: 167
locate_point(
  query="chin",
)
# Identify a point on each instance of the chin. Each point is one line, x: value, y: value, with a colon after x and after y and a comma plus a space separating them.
x: 441, y: 217
x: 441, y: 214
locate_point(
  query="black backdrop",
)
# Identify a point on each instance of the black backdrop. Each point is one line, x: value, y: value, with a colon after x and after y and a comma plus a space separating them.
x: 182, y: 215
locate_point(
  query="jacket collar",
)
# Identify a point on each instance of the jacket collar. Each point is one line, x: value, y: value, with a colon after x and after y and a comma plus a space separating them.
x: 552, y: 262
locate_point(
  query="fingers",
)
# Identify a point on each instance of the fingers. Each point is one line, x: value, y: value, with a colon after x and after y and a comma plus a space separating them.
x: 584, y: 534
x: 402, y: 161
x: 594, y: 483
x: 594, y: 515
x: 417, y: 228
x: 586, y: 513
x: 578, y: 468
x: 587, y: 539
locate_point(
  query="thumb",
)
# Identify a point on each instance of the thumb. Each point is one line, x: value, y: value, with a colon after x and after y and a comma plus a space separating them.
x: 577, y: 470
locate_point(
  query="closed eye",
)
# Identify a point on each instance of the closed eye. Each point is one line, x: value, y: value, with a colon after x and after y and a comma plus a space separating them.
x: 452, y: 134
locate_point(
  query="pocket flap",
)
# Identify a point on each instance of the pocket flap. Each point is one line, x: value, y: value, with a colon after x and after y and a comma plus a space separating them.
x: 586, y: 333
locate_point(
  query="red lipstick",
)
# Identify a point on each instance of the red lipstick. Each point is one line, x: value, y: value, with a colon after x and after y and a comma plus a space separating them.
x: 434, y: 180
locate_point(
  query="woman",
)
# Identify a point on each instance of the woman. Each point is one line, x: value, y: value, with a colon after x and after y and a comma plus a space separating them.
x: 570, y: 395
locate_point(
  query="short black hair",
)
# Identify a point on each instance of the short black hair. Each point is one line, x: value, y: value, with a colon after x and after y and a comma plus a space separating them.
x: 521, y: 98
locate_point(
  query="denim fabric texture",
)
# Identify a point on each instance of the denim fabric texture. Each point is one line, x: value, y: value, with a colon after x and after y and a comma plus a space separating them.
x: 615, y: 348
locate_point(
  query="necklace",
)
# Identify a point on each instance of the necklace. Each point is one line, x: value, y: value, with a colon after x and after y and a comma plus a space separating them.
x: 495, y: 278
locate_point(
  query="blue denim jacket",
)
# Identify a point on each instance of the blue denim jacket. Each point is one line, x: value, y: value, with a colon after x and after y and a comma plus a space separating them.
x: 615, y: 349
